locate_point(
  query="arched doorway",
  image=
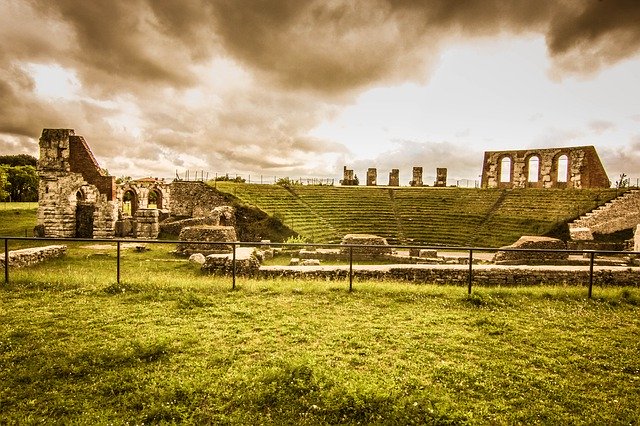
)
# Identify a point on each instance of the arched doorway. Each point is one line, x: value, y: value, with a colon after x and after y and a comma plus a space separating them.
x: 84, y: 216
x: 129, y: 202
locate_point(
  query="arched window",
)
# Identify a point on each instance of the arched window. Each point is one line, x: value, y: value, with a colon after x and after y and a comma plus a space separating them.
x: 505, y: 169
x: 154, y: 199
x: 563, y: 168
x: 79, y: 196
x: 533, y: 169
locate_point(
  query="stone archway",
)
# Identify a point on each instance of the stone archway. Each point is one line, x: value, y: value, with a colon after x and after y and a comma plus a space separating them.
x: 129, y: 202
x: 84, y: 216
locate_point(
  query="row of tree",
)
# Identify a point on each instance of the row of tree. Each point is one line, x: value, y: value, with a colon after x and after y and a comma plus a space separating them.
x: 18, y: 178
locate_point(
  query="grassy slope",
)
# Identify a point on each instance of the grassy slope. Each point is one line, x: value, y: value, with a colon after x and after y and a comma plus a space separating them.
x: 447, y: 216
x: 171, y: 345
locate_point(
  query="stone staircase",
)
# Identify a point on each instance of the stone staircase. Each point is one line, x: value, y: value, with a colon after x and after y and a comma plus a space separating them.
x: 620, y: 213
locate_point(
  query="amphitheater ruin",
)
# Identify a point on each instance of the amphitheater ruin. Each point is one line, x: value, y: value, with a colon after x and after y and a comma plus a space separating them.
x: 77, y: 198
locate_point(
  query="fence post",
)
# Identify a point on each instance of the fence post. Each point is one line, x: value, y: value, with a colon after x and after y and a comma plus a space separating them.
x: 6, y: 261
x: 350, y: 269
x: 470, y: 270
x: 233, y: 267
x: 118, y: 262
x: 591, y: 257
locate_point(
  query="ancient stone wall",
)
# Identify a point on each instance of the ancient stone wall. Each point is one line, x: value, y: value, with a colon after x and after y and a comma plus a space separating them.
x: 69, y: 178
x: 616, y: 215
x: 348, y: 178
x: 193, y: 199
x: 394, y: 177
x: 372, y: 176
x: 416, y: 179
x: 81, y: 160
x: 31, y: 256
x: 441, y: 176
x: 483, y: 275
x: 570, y: 167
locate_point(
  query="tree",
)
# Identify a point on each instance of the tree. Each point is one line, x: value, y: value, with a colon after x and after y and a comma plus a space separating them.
x: 4, y: 183
x: 23, y: 181
x: 18, y: 160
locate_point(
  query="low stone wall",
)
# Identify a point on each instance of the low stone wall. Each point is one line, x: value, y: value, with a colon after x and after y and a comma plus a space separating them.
x: 31, y: 256
x: 483, y: 275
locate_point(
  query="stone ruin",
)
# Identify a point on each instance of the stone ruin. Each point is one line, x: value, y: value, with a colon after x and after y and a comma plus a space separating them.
x: 79, y: 199
x: 416, y: 179
x: 441, y: 177
x: 206, y: 233
x: 533, y: 257
x: 569, y: 167
x: 348, y: 178
x: 382, y: 246
x: 394, y: 177
x: 372, y: 176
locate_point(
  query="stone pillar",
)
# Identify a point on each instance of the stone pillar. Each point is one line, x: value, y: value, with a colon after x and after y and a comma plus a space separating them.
x: 372, y: 176
x: 636, y: 238
x: 417, y: 177
x: 348, y: 177
x: 394, y: 177
x: 441, y: 176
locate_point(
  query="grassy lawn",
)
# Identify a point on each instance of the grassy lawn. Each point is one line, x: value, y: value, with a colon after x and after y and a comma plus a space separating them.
x: 170, y: 345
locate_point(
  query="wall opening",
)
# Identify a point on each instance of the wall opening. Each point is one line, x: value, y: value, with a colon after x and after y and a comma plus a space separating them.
x: 129, y: 203
x: 154, y: 199
x: 505, y: 169
x: 533, y: 169
x: 563, y: 168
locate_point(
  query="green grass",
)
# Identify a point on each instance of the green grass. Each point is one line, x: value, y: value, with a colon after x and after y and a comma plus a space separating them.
x: 171, y: 345
x: 18, y: 219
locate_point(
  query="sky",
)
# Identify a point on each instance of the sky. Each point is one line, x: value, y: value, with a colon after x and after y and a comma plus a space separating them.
x: 303, y: 88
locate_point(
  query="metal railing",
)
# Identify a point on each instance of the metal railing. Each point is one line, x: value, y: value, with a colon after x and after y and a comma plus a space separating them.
x: 592, y: 253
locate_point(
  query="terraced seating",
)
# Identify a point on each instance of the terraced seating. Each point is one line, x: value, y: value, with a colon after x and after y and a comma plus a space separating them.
x: 425, y: 216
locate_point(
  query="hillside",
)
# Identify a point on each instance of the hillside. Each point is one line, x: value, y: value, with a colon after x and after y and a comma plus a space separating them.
x: 429, y: 216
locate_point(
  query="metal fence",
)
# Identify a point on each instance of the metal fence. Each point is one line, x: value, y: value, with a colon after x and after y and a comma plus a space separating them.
x: 471, y: 250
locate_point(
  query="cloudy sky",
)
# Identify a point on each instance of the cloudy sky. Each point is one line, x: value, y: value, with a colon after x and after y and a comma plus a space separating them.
x: 301, y: 88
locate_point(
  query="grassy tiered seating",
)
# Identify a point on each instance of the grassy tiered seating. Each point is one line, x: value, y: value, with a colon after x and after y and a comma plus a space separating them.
x: 445, y: 216
x: 425, y: 216
x: 367, y: 210
x: 280, y: 203
x: 536, y: 212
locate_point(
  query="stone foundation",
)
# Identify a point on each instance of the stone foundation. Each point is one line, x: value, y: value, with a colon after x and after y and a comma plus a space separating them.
x: 206, y: 233
x: 532, y: 257
x: 366, y: 239
x: 483, y: 275
x: 31, y: 256
x: 247, y: 262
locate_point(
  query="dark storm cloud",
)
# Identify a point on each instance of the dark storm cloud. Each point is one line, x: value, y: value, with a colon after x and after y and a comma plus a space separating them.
x: 303, y: 59
x: 338, y: 46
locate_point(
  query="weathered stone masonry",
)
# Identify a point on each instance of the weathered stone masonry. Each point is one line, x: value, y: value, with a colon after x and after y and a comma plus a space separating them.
x: 78, y: 199
x: 569, y: 167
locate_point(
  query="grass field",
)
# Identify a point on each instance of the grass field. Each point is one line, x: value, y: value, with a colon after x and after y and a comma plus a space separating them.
x: 171, y: 345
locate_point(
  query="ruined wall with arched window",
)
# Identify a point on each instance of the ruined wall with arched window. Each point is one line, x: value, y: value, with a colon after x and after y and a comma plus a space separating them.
x: 570, y: 167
